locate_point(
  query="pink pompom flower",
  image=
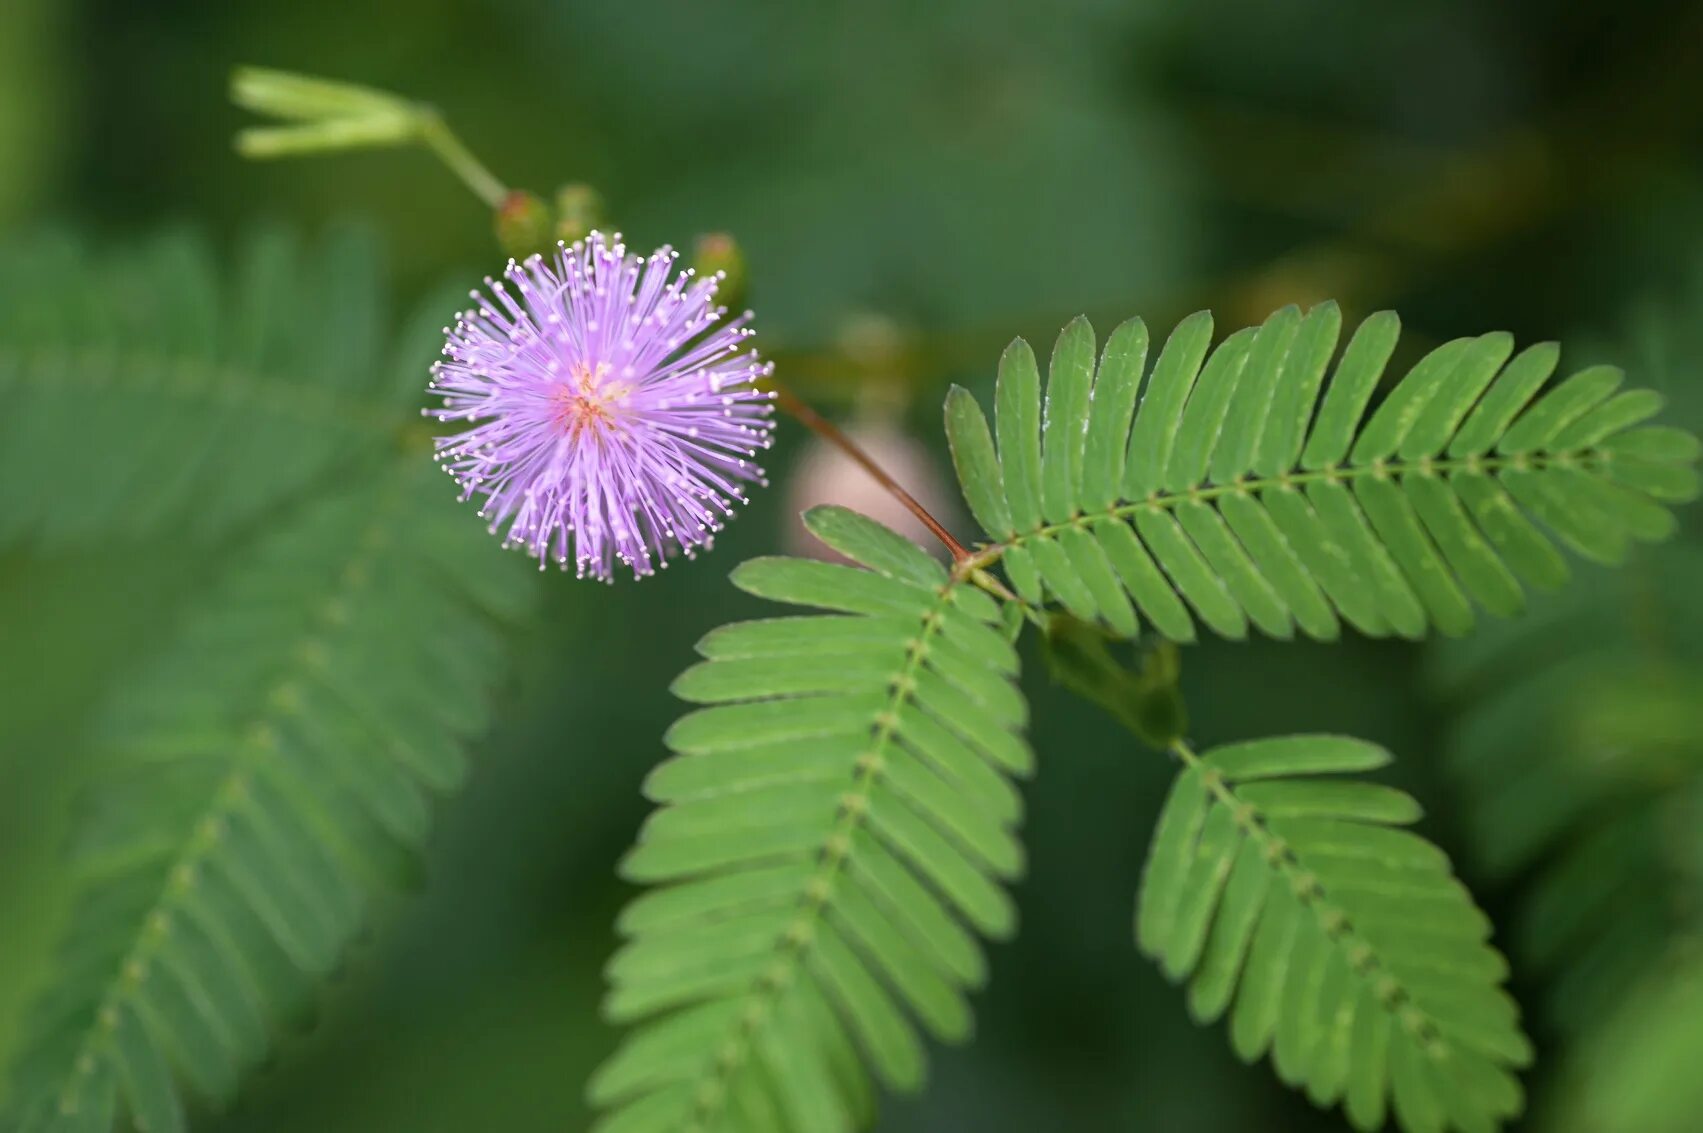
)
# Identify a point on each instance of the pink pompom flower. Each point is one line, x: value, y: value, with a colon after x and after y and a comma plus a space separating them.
x: 613, y: 412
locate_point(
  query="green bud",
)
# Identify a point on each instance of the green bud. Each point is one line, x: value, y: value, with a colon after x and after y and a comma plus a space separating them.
x: 579, y: 209
x: 523, y: 224
x: 717, y: 251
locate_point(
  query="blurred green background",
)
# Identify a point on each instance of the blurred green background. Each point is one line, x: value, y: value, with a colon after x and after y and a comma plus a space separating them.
x: 936, y: 177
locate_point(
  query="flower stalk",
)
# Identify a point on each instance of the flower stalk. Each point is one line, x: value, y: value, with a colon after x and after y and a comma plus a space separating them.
x: 791, y: 404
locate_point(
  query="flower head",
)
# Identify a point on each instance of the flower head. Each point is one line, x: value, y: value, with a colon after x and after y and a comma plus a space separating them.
x: 613, y: 413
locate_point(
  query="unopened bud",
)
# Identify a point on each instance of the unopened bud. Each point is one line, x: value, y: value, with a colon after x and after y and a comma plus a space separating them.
x: 522, y: 224
x: 579, y: 209
x: 873, y: 343
x: 717, y: 251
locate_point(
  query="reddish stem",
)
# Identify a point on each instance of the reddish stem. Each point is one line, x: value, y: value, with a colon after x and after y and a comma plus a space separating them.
x: 831, y: 433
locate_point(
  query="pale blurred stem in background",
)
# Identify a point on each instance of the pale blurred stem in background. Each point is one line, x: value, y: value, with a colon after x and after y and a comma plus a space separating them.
x: 452, y: 152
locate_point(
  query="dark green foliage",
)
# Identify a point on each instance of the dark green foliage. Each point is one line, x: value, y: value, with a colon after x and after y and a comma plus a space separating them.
x: 1579, y: 743
x: 265, y: 772
x: 276, y: 760
x: 1578, y: 740
x: 148, y: 390
x: 1249, y: 486
x: 1144, y: 698
x: 1637, y: 1068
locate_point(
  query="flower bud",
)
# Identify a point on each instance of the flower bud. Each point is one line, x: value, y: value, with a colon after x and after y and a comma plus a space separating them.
x: 717, y: 251
x: 579, y: 209
x: 522, y: 224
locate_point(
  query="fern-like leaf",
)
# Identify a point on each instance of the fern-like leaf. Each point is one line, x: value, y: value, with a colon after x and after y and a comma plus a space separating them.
x: 830, y: 830
x: 1248, y: 487
x: 1338, y: 943
x: 146, y: 389
x: 1578, y: 737
x: 267, y: 770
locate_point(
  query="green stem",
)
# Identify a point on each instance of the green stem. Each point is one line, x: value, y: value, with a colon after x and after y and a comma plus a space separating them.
x: 441, y: 140
x: 1215, y: 783
x: 981, y: 579
x: 800, y: 411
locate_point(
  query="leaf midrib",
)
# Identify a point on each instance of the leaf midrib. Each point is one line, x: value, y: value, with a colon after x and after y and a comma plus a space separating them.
x: 256, y: 744
x: 196, y: 379
x: 1585, y: 459
x: 1306, y: 888
x: 794, y: 942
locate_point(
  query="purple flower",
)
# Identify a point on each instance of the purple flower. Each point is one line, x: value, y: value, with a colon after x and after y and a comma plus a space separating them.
x: 613, y: 414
